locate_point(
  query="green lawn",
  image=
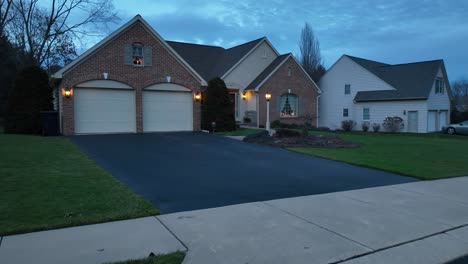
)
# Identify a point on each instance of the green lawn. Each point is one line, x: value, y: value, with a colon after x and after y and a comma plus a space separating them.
x: 240, y: 132
x: 424, y: 156
x: 47, y: 182
x: 173, y: 258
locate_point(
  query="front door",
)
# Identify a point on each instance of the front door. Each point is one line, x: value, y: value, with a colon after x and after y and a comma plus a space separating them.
x: 413, y: 121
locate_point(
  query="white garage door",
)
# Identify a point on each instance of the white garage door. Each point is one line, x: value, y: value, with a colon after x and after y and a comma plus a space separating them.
x: 167, y: 111
x: 104, y: 111
x: 431, y: 121
x: 442, y: 119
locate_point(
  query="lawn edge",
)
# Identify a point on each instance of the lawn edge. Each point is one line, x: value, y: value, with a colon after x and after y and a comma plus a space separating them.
x: 376, y: 168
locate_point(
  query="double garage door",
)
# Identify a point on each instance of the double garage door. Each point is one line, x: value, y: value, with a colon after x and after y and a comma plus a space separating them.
x: 114, y: 111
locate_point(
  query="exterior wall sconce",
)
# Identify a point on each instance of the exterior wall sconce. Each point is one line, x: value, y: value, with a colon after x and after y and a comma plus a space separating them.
x: 67, y: 92
x: 404, y: 112
x: 197, y: 96
x: 244, y: 96
x: 268, y: 97
x: 168, y: 79
x: 105, y: 75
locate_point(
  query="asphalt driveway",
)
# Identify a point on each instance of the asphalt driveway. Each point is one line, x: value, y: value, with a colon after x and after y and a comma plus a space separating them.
x: 188, y: 171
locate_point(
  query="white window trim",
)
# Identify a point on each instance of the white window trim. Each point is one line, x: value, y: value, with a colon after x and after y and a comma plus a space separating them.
x: 296, y: 106
x: 346, y: 84
x: 363, y: 114
x: 142, y: 55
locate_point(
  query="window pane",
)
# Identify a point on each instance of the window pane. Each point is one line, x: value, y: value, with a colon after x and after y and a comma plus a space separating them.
x: 366, y: 114
x: 347, y: 88
x: 345, y: 112
x: 288, y: 105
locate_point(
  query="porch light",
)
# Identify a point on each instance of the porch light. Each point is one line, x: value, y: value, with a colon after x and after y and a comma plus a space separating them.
x: 197, y: 96
x: 67, y: 92
x: 268, y: 96
x: 244, y: 96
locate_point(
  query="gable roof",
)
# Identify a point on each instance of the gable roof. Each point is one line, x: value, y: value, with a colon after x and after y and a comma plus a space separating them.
x: 262, y: 77
x: 272, y: 68
x: 213, y: 61
x: 412, y: 81
x: 137, y: 18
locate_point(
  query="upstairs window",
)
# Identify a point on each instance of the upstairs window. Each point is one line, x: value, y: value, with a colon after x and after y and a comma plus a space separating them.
x: 439, y: 86
x: 347, y: 89
x: 137, y: 54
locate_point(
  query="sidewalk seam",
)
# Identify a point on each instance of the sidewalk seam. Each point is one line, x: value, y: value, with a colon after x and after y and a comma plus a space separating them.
x: 400, y: 244
x: 170, y: 231
x: 310, y: 222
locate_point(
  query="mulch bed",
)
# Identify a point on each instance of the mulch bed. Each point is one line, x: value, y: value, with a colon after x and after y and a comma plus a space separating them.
x: 314, y: 141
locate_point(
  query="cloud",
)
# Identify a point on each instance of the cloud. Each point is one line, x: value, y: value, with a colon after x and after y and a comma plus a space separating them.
x: 391, y: 31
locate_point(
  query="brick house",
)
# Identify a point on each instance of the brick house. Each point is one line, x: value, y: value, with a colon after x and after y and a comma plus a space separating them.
x: 135, y: 81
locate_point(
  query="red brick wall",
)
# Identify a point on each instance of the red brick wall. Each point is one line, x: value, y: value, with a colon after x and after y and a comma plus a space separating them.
x: 110, y: 59
x: 278, y: 84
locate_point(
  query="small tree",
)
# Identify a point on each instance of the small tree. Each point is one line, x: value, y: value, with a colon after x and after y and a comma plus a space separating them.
x: 217, y: 107
x: 31, y: 95
x: 393, y: 124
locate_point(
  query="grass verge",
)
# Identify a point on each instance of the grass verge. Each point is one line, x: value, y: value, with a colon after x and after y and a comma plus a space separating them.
x: 47, y: 182
x: 173, y: 258
x: 424, y: 156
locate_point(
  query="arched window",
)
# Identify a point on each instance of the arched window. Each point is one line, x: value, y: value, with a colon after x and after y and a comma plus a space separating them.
x: 137, y: 49
x: 288, y: 105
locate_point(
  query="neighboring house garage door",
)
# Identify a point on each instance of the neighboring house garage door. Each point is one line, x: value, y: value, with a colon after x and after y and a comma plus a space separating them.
x: 431, y: 121
x: 167, y: 111
x: 104, y: 110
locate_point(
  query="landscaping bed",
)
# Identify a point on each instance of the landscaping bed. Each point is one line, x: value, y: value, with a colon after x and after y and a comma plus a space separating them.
x: 293, y: 139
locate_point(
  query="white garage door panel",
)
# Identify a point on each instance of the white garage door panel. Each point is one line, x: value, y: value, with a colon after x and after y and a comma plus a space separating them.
x: 167, y: 111
x: 431, y: 121
x: 104, y: 111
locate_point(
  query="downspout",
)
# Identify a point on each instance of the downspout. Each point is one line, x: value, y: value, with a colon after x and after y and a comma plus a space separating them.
x: 317, y: 105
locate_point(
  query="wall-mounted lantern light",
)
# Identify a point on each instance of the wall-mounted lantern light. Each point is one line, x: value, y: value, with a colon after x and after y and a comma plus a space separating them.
x: 404, y: 112
x: 105, y: 75
x: 67, y: 92
x: 268, y: 96
x: 244, y: 96
x: 197, y: 96
x: 168, y: 79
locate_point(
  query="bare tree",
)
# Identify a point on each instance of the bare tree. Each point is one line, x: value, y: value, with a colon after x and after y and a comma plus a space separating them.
x: 5, y: 14
x: 42, y: 32
x: 310, y: 56
x: 460, y: 95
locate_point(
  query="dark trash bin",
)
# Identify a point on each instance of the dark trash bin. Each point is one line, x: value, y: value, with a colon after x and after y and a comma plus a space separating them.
x: 50, y: 123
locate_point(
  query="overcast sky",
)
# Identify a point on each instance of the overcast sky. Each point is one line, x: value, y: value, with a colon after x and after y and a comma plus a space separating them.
x: 396, y: 31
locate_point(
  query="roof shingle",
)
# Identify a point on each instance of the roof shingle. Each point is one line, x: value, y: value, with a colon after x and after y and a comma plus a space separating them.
x: 412, y: 81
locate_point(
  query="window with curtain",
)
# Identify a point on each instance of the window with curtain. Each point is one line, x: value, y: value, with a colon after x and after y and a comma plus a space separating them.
x: 288, y: 105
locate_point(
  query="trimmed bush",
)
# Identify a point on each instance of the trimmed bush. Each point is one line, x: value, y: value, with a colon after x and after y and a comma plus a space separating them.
x: 365, y: 126
x: 276, y: 124
x: 348, y: 125
x: 325, y: 129
x: 376, y: 127
x: 393, y: 124
x: 217, y: 107
x: 31, y: 95
x: 281, y: 133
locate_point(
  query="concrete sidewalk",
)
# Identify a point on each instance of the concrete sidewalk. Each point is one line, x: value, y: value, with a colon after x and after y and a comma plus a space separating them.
x: 422, y: 222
